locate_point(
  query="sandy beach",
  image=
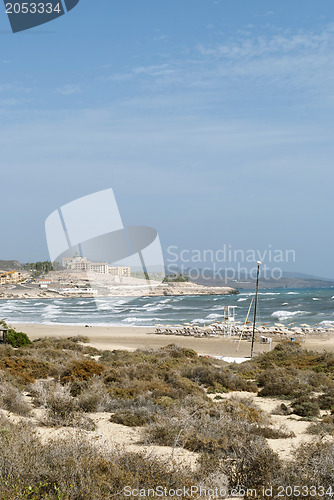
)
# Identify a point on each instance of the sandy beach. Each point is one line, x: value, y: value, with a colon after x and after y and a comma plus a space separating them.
x: 131, y: 338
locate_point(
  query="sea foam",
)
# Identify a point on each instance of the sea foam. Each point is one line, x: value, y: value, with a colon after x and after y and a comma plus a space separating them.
x: 282, y: 315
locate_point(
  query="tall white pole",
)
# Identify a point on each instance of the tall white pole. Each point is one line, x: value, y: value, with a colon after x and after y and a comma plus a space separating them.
x: 255, y: 304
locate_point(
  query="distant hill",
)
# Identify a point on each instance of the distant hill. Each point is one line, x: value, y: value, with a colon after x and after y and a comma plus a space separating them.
x: 10, y: 265
x: 304, y: 276
x: 288, y: 280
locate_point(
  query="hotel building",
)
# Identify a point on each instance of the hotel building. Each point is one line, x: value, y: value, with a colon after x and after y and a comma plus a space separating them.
x: 78, y: 263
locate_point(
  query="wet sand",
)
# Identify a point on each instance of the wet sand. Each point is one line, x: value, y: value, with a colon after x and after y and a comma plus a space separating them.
x: 131, y: 338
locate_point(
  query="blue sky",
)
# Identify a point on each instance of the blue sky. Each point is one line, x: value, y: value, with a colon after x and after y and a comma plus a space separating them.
x: 212, y: 120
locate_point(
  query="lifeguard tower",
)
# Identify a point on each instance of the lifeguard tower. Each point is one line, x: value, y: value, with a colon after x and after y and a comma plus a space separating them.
x: 229, y: 320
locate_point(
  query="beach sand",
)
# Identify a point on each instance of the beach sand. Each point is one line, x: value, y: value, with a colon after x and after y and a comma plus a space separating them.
x: 131, y: 338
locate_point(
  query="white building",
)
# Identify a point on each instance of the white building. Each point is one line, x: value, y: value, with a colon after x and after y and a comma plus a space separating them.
x: 120, y: 271
x: 78, y: 263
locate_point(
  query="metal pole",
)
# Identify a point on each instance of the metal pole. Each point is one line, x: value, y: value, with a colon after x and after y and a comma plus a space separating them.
x: 257, y: 287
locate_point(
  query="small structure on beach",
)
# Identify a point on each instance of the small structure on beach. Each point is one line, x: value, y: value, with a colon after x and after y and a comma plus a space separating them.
x: 3, y: 334
x: 229, y: 320
x: 229, y: 314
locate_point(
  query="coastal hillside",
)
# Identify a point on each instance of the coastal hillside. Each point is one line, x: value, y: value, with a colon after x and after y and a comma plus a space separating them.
x: 287, y: 280
x: 10, y: 265
x: 66, y: 284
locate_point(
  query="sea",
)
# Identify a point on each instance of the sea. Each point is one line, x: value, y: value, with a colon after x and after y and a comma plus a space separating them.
x: 287, y: 306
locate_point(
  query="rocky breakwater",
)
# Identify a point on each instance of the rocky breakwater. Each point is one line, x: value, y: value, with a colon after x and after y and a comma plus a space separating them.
x: 189, y: 288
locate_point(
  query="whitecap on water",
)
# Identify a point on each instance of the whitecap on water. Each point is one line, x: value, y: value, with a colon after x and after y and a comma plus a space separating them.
x: 155, y: 307
x: 135, y: 319
x: 105, y: 307
x: 282, y: 315
x: 213, y: 316
x: 51, y: 311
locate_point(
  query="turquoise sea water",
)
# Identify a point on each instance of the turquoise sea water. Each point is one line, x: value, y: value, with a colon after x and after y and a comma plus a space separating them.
x: 298, y: 306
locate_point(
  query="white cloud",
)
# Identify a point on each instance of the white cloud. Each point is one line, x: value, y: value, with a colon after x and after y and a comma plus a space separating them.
x: 292, y: 60
x: 71, y: 89
x: 278, y: 44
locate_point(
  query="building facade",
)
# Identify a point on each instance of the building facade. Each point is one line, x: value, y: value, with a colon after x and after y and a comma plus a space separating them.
x: 78, y: 263
x: 10, y: 277
x: 120, y: 271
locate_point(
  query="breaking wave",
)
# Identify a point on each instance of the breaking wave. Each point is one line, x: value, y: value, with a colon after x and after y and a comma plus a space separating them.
x: 282, y: 315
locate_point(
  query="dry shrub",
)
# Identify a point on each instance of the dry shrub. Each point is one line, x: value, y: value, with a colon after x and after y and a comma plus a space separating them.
x: 168, y: 372
x: 270, y: 432
x: 74, y: 468
x: 326, y: 400
x: 291, y: 355
x: 70, y: 343
x: 39, y: 392
x: 11, y: 399
x: 321, y: 429
x: 20, y: 455
x: 171, y: 385
x: 131, y: 418
x: 92, y: 395
x: 282, y: 382
x: 212, y: 473
x: 180, y: 386
x: 82, y: 370
x: 62, y: 409
x: 217, y: 379
x: 325, y: 426
x: 6, y: 351
x: 134, y: 412
x: 244, y: 408
x: 313, y: 468
x: 320, y: 381
x: 60, y: 405
x: 304, y: 406
x: 228, y: 437
x: 26, y: 370
x: 255, y: 466
x: 208, y: 427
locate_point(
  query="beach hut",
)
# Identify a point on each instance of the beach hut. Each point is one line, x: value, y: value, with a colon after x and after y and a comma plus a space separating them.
x: 3, y: 334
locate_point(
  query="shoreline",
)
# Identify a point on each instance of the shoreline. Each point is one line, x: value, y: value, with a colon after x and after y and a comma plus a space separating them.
x: 132, y: 338
x: 86, y: 296
x: 69, y: 286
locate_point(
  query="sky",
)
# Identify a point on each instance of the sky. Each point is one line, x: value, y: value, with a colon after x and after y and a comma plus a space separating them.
x: 212, y: 120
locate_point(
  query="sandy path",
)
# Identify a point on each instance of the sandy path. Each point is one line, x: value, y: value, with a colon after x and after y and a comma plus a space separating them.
x: 283, y: 446
x: 107, y: 434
